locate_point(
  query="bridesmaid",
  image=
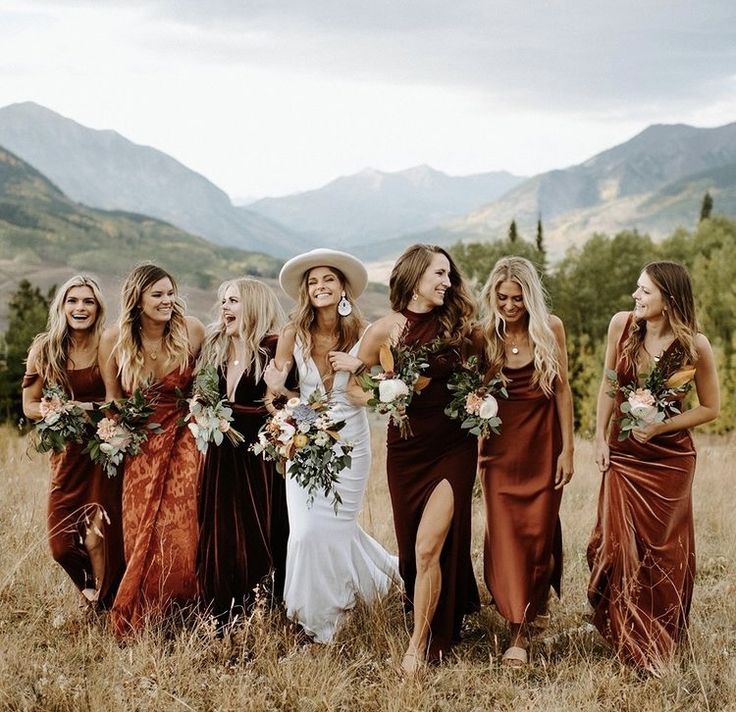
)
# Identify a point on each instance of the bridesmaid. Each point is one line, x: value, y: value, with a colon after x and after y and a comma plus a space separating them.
x: 523, y: 469
x: 331, y: 562
x: 431, y: 474
x: 243, y: 526
x: 642, y: 550
x: 154, y: 343
x: 84, y: 524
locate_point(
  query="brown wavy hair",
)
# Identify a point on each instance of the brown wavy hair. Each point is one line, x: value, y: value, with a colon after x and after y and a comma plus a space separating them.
x: 673, y: 280
x: 54, y: 344
x: 349, y: 328
x: 128, y: 350
x: 456, y: 314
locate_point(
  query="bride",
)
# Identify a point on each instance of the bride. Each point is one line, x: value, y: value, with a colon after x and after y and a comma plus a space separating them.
x: 330, y: 560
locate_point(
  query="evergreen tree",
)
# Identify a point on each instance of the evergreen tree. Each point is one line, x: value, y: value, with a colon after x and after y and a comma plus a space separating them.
x: 513, y: 233
x: 27, y: 314
x: 707, y: 207
x: 540, y: 236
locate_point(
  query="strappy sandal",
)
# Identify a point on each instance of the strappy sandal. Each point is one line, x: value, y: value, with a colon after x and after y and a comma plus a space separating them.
x: 515, y: 657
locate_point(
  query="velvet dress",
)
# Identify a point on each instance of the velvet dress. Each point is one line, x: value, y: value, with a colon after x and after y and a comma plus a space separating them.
x: 160, y: 514
x: 642, y: 550
x: 78, y: 487
x: 523, y: 539
x: 243, y: 524
x: 438, y: 450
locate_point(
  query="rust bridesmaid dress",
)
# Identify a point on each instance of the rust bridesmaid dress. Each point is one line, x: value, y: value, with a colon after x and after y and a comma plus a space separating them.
x: 78, y: 487
x: 523, y: 540
x: 243, y: 523
x: 160, y: 515
x: 438, y: 450
x: 642, y: 550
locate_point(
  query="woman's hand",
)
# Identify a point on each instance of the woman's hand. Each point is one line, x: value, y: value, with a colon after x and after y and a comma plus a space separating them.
x: 340, y: 361
x: 275, y: 378
x: 602, y: 455
x: 565, y: 469
x: 645, y: 434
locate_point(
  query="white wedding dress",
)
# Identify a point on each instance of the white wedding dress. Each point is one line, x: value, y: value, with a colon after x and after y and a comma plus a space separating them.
x: 330, y: 560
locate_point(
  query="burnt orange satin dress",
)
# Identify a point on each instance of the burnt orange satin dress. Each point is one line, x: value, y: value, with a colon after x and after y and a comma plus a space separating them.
x: 78, y: 487
x: 642, y: 550
x: 160, y: 515
x: 523, y: 541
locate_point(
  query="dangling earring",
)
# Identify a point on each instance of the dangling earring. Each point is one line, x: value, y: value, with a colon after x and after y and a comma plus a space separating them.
x: 344, y: 307
x: 414, y: 296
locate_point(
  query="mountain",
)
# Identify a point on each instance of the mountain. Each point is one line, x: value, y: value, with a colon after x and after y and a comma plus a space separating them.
x: 39, y: 225
x: 373, y: 206
x: 104, y: 170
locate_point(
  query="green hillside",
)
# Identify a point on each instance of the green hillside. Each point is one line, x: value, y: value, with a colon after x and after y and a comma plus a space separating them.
x: 39, y: 225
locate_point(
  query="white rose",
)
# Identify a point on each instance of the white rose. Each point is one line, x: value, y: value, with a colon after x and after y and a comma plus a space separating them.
x: 292, y: 403
x: 488, y: 408
x: 643, y: 412
x: 287, y: 433
x: 390, y: 389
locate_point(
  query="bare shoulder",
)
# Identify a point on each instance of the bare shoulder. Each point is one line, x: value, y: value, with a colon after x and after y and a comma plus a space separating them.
x: 702, y: 345
x: 195, y: 327
x: 384, y: 327
x: 109, y: 337
x: 617, y: 324
x: 32, y: 358
x: 555, y: 323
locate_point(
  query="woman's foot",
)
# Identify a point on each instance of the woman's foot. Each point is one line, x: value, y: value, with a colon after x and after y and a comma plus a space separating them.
x: 412, y: 662
x: 515, y: 657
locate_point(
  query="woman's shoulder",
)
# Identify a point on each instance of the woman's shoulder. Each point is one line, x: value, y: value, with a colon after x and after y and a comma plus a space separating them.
x: 109, y: 337
x: 386, y: 325
x: 618, y: 323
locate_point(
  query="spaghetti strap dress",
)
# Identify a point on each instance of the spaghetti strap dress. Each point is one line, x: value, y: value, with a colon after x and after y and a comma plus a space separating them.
x: 77, y: 489
x: 243, y: 525
x: 642, y: 550
x: 523, y: 537
x: 160, y: 514
x: 438, y: 450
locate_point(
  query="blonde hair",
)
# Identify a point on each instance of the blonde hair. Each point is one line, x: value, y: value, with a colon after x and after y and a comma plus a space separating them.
x: 349, y: 328
x: 52, y: 346
x: 128, y: 349
x: 673, y: 280
x: 456, y: 313
x: 541, y: 337
x: 261, y: 315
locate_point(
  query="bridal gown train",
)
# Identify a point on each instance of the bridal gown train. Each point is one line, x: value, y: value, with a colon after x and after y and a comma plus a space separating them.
x: 330, y: 560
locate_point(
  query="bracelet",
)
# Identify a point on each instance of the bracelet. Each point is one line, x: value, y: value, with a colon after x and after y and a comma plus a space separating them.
x: 359, y: 370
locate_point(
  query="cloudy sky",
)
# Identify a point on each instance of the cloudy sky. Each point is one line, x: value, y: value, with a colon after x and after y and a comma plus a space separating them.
x: 267, y: 97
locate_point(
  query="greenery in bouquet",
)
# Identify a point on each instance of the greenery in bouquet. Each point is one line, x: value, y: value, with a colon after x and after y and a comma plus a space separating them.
x: 307, y: 437
x: 62, y: 421
x: 209, y: 416
x: 474, y: 399
x: 655, y: 396
x: 121, y: 429
x: 394, y: 381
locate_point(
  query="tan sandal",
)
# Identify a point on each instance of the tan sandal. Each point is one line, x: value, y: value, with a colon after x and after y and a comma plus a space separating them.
x: 515, y: 657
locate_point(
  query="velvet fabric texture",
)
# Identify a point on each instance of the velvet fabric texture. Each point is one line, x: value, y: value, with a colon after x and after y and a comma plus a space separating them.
x: 523, y: 539
x: 438, y: 450
x: 642, y: 550
x: 160, y: 514
x: 243, y: 523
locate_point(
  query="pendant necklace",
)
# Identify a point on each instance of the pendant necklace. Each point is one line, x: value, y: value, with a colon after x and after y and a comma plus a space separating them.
x: 514, y: 348
x: 153, y: 355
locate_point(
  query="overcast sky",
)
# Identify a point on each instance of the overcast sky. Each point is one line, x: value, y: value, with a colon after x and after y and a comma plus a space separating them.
x: 267, y: 97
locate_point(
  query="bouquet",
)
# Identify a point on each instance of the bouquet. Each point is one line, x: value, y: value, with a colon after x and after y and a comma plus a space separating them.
x: 122, y: 427
x: 62, y: 421
x: 657, y: 398
x: 393, y: 383
x: 306, y: 434
x: 474, y: 399
x: 209, y: 416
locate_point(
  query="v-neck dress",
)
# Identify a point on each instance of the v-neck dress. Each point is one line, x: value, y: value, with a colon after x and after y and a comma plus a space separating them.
x: 330, y: 560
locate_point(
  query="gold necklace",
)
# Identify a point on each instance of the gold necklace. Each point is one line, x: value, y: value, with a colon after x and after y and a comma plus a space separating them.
x: 153, y: 355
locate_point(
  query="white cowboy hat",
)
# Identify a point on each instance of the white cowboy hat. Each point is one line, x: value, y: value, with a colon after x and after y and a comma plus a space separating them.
x: 292, y: 273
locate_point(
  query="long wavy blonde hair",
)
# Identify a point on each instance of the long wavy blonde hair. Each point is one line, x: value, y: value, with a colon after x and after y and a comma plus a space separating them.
x: 456, y: 313
x: 673, y: 280
x: 54, y: 344
x: 128, y: 349
x: 261, y: 315
x: 541, y: 336
x: 304, y: 316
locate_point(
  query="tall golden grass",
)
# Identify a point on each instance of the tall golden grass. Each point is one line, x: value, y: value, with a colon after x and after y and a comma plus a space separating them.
x: 53, y: 656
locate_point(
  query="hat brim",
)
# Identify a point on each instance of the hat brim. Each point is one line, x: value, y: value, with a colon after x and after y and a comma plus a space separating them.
x: 292, y: 273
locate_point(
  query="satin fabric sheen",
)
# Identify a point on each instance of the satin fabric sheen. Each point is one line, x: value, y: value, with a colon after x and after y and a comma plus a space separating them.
x: 523, y: 539
x: 160, y: 514
x: 438, y: 450
x: 642, y: 550
x: 77, y: 488
x: 243, y: 525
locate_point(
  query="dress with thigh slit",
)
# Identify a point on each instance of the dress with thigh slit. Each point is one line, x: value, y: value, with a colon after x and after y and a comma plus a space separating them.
x: 437, y: 450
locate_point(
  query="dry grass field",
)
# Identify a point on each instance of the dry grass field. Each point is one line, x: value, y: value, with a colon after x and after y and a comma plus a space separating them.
x: 55, y: 657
